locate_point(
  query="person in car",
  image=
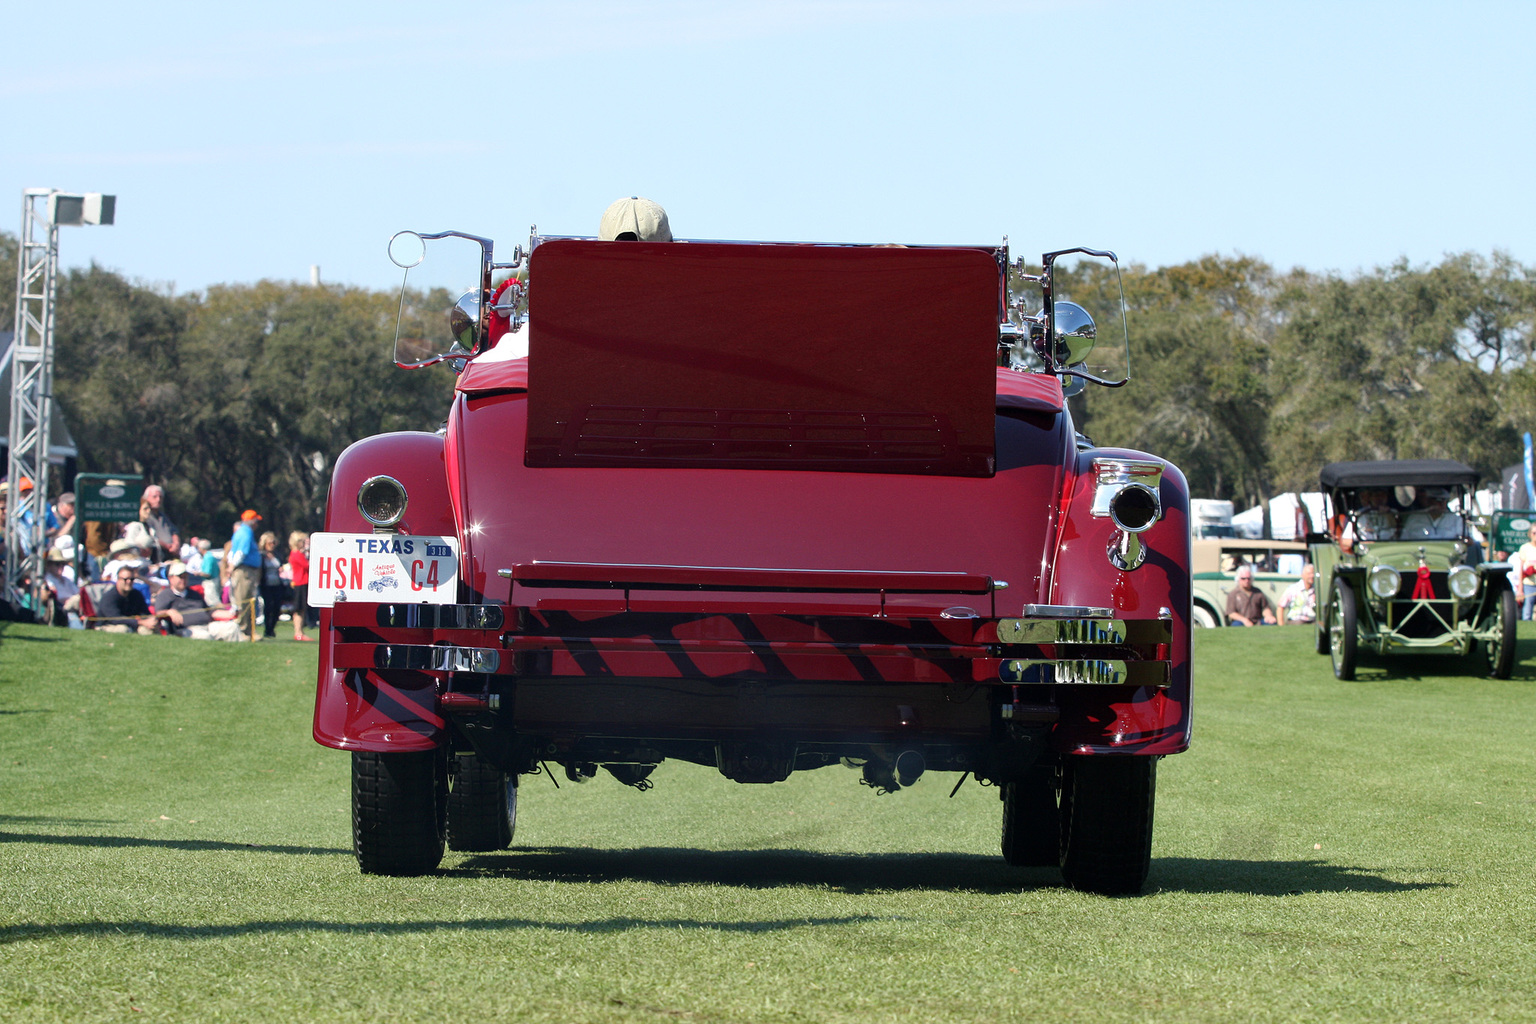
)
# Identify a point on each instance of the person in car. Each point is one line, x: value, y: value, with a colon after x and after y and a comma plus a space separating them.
x: 1373, y: 519
x: 1430, y: 518
x: 1247, y: 606
x: 634, y: 219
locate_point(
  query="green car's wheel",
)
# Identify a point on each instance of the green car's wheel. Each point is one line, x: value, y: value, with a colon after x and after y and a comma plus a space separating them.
x: 1500, y: 650
x: 1342, y: 632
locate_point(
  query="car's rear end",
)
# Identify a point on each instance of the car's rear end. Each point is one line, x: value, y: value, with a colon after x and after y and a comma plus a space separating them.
x: 732, y: 510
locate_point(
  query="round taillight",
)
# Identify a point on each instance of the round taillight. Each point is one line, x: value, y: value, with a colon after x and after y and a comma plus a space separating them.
x: 1134, y: 508
x: 381, y: 500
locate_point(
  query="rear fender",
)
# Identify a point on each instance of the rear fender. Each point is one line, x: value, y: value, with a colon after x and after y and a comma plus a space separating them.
x: 1146, y: 720
x: 362, y: 709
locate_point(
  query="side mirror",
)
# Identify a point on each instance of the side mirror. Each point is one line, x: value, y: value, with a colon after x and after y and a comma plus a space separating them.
x: 464, y: 322
x: 407, y: 249
x: 1075, y: 334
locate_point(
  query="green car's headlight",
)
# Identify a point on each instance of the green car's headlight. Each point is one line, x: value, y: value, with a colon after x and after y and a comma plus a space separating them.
x: 1385, y: 581
x: 1464, y: 582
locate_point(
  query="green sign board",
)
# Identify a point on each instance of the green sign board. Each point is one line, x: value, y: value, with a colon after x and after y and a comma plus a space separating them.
x: 108, y: 497
x: 1511, y: 527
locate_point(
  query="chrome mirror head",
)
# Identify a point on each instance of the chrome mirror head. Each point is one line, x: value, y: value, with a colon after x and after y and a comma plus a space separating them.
x: 1075, y: 334
x: 407, y: 249
x: 464, y: 323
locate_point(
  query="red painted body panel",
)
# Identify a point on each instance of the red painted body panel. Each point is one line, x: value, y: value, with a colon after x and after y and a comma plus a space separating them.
x: 1152, y: 721
x: 632, y: 363
x: 365, y: 709
x: 768, y: 519
x: 718, y: 593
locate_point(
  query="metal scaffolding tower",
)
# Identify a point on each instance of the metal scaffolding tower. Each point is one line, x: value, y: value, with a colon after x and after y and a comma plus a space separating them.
x: 43, y: 210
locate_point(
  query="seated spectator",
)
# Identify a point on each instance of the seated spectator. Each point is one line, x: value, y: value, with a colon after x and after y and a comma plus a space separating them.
x: 122, y: 552
x: 1247, y: 606
x: 1299, y: 602
x: 61, y: 592
x: 186, y: 611
x: 123, y: 609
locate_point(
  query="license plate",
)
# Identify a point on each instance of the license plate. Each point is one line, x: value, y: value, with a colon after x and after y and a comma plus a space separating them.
x: 380, y: 568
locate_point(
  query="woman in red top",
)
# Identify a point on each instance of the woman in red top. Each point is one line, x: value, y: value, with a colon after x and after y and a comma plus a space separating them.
x: 298, y: 565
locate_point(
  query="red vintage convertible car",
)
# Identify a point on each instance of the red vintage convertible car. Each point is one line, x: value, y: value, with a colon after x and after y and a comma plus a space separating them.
x: 763, y: 507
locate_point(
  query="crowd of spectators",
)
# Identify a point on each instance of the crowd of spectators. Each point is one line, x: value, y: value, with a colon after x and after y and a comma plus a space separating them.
x: 144, y: 577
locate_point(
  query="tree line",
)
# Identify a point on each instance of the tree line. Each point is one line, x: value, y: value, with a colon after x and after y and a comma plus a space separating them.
x: 240, y: 396
x: 1248, y: 378
x: 1251, y: 380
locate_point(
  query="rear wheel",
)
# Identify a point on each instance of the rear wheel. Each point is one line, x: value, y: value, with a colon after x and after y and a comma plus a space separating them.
x: 482, y: 806
x: 1500, y: 650
x: 1200, y: 615
x: 1107, y: 806
x: 1031, y: 824
x: 1342, y: 632
x: 398, y: 811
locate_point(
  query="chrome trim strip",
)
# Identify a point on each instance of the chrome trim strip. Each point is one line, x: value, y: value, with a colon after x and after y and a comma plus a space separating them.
x: 420, y: 658
x: 1061, y: 631
x: 1066, y: 611
x: 1113, y: 475
x: 441, y: 616
x: 1087, y: 672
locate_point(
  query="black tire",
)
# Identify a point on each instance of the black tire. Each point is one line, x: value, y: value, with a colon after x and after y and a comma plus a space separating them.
x: 1500, y: 651
x: 1321, y: 634
x: 1107, y: 804
x: 482, y: 806
x: 1031, y: 822
x: 1343, y: 630
x: 398, y: 810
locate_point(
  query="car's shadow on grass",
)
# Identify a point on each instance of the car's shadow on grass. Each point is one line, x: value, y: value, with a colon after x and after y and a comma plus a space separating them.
x: 903, y: 872
x: 1377, y: 668
x: 186, y: 845
x: 607, y: 925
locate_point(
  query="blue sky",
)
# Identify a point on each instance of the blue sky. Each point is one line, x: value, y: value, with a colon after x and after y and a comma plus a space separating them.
x: 251, y: 141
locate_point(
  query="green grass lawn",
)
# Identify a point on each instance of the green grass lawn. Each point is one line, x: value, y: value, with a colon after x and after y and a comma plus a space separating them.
x: 174, y: 846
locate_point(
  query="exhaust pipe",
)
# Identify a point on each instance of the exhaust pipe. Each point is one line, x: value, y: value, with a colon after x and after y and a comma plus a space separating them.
x: 910, y: 765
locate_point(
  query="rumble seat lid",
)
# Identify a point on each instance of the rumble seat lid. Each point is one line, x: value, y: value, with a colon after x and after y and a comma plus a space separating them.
x: 861, y: 359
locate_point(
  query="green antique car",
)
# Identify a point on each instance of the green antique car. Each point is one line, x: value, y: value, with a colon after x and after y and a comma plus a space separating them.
x: 1399, y: 572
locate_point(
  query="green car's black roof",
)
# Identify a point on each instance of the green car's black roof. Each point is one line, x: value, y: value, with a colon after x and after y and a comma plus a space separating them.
x: 1390, y: 473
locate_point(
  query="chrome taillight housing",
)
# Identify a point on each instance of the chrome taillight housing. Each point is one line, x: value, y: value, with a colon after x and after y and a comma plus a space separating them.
x: 382, y: 500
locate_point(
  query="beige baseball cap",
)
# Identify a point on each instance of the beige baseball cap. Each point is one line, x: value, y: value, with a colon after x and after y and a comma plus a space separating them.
x: 635, y: 219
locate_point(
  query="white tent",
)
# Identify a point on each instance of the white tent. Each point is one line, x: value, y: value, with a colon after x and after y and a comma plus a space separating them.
x: 1283, y: 518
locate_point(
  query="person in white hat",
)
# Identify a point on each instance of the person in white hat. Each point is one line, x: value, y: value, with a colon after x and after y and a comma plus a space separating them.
x: 634, y: 219
x: 65, y: 593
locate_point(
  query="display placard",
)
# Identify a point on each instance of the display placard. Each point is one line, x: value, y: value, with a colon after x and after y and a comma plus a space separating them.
x: 108, y: 497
